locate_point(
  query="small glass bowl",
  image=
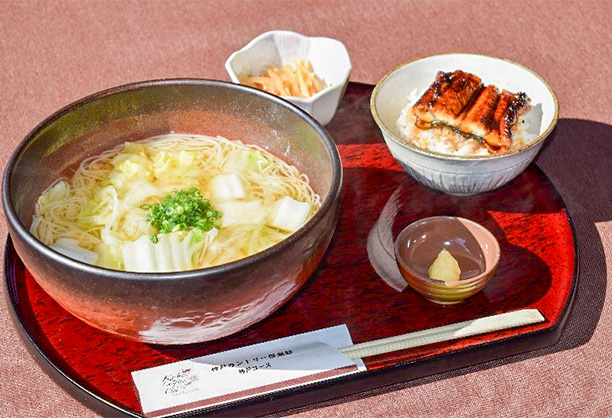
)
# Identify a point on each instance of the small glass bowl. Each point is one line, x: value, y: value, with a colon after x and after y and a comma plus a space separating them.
x: 475, y: 248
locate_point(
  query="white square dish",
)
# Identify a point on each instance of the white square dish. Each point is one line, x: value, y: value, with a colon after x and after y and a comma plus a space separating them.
x: 329, y: 59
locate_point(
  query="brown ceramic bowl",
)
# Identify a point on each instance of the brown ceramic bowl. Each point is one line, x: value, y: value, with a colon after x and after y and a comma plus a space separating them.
x: 473, y: 246
x: 183, y: 307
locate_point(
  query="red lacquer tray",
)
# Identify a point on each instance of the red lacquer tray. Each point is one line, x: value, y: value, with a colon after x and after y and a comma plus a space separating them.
x: 538, y: 269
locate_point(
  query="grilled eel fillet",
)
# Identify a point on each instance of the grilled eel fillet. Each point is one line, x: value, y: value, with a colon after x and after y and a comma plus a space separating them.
x: 444, y: 100
x: 460, y: 101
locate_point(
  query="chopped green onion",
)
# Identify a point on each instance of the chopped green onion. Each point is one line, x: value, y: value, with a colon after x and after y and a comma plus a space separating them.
x: 182, y: 210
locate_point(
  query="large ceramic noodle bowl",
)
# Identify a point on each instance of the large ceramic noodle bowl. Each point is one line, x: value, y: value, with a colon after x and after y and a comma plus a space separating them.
x: 179, y: 306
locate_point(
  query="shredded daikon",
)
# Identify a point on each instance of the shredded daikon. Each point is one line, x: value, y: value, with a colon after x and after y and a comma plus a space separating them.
x: 297, y: 80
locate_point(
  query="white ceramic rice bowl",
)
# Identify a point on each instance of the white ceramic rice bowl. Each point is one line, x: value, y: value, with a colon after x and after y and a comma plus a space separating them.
x: 457, y: 174
x: 329, y: 58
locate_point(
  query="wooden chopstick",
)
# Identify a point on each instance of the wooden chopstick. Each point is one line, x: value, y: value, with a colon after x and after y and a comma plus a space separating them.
x: 444, y: 333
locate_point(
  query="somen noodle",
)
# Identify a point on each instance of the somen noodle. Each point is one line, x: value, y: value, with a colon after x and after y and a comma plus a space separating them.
x: 104, y: 214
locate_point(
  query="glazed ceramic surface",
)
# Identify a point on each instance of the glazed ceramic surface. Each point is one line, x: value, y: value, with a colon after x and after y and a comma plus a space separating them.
x: 473, y: 246
x: 462, y: 175
x: 328, y: 57
x: 183, y: 307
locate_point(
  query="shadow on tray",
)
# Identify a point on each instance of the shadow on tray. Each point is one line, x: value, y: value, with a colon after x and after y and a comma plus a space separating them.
x: 576, y: 160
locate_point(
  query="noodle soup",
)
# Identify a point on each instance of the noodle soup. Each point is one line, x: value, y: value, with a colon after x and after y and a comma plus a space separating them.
x: 172, y: 203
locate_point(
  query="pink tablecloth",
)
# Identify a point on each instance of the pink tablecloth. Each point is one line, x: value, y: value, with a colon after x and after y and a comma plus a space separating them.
x: 54, y: 52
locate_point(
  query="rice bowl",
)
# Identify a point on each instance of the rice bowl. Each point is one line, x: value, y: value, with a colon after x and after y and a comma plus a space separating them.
x: 460, y: 174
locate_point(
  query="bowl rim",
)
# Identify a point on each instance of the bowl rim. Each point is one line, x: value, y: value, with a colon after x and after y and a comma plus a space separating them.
x: 301, y: 100
x: 457, y: 284
x: 389, y: 134
x: 16, y: 225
